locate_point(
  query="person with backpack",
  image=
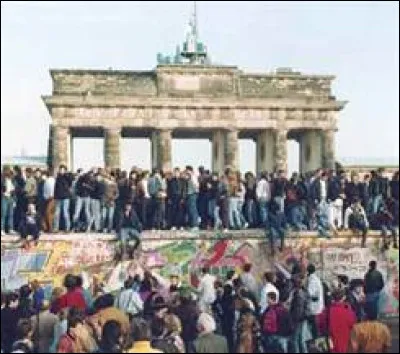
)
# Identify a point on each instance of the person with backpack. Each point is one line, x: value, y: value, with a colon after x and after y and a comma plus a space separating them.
x: 298, y: 313
x: 277, y: 327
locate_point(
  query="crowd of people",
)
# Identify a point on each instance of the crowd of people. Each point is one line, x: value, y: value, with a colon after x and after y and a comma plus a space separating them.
x: 323, y: 201
x: 297, y: 314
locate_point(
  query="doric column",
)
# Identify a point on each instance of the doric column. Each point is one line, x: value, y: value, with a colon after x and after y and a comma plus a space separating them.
x: 112, y: 139
x: 280, y: 149
x: 232, y: 149
x: 217, y: 157
x: 265, y: 151
x: 310, y: 151
x: 328, y: 140
x: 60, y: 146
x: 161, y: 146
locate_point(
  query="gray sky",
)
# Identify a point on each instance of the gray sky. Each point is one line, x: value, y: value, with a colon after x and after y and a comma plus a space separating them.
x: 357, y: 42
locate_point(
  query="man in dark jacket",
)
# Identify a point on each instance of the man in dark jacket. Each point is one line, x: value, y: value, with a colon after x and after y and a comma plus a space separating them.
x: 373, y: 286
x: 298, y: 309
x: 129, y: 229
x: 62, y: 196
x: 174, y: 195
x: 83, y: 188
x: 30, y: 225
x: 356, y: 298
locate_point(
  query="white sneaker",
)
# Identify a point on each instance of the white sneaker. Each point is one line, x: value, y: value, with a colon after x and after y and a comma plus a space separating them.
x: 225, y: 230
x: 3, y: 233
x: 182, y: 228
x: 173, y: 228
x: 12, y: 232
x: 246, y: 225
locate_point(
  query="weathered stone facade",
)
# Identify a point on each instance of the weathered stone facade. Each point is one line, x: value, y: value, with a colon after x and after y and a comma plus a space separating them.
x: 220, y: 102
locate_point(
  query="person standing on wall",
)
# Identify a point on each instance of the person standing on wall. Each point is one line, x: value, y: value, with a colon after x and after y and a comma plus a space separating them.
x: 374, y: 284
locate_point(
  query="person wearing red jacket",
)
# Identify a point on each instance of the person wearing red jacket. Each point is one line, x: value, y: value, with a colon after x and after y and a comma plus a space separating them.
x: 72, y: 298
x: 341, y: 319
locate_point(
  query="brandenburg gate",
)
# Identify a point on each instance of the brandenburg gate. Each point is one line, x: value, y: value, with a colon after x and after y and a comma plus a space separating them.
x: 196, y: 99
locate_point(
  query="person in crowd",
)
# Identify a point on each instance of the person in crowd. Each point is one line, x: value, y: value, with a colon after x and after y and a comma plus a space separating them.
x: 49, y: 205
x: 249, y: 336
x: 279, y: 190
x: 298, y: 314
x: 30, y: 225
x: 60, y: 328
x: 25, y: 303
x: 108, y: 204
x: 384, y: 221
x: 356, y: 298
x: 206, y: 290
x: 72, y: 298
x: 7, y: 201
x: 207, y: 341
x: 9, y: 319
x: 323, y: 220
x: 83, y: 285
x: 128, y: 300
x: 62, y: 196
x: 296, y: 194
x: 38, y: 295
x: 141, y: 334
x: 159, y: 338
x: 370, y: 337
x: 276, y: 325
x: 316, y: 302
x: 30, y: 186
x: 374, y: 284
x: 112, y: 339
x: 83, y: 188
x: 335, y: 200
x: 341, y: 321
x: 356, y: 219
x: 192, y: 189
x: 249, y: 280
x: 24, y: 342
x: 277, y: 229
x: 268, y: 287
x: 250, y: 198
x: 129, y: 228
x: 104, y: 310
x: 96, y: 197
x: 173, y: 328
x: 77, y: 339
x: 44, y: 323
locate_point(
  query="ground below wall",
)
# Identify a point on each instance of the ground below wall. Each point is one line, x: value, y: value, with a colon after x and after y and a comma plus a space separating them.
x: 184, y: 253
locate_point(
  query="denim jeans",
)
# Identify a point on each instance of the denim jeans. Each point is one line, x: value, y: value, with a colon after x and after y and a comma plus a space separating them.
x: 250, y: 212
x: 281, y: 202
x: 213, y: 212
x: 108, y: 217
x: 193, y: 215
x: 7, y: 212
x: 296, y: 218
x: 263, y: 211
x: 371, y: 305
x: 234, y: 218
x: 300, y: 336
x: 95, y: 206
x: 127, y: 234
x: 82, y: 202
x: 276, y: 344
x: 240, y: 204
x: 62, y: 204
x: 376, y: 202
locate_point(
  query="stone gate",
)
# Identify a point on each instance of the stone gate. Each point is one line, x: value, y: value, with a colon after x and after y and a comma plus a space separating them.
x: 221, y: 103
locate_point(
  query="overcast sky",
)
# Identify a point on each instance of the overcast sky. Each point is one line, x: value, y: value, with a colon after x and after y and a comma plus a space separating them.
x: 357, y: 42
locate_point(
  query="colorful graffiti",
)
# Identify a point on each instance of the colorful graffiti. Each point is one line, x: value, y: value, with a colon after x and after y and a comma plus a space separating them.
x: 51, y: 260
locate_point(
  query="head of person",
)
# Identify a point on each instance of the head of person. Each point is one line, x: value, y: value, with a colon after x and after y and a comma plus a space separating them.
x: 372, y: 265
x: 247, y: 267
x: 339, y: 295
x: 112, y: 339
x: 141, y: 331
x: 24, y: 329
x: 35, y: 285
x: 31, y: 209
x: 25, y: 291
x: 75, y: 317
x: 272, y: 299
x: 172, y: 323
x: 206, y: 323
x: 127, y: 208
x: 324, y: 176
x: 354, y: 177
x: 70, y: 282
x: 311, y: 269
x: 282, y: 174
x: 343, y: 280
x: 357, y: 287
x: 205, y: 270
x: 103, y: 302
x: 298, y: 281
x: 269, y: 277
x: 62, y: 170
x: 177, y: 172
